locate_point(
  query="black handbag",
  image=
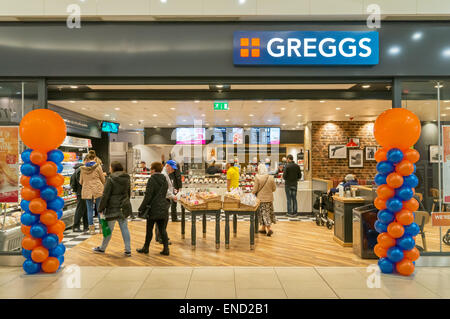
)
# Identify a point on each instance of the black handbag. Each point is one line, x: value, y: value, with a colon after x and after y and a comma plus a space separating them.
x: 146, y: 213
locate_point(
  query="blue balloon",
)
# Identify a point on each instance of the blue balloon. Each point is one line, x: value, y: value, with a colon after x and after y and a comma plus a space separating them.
x: 61, y: 260
x: 394, y: 155
x: 394, y: 204
x: 26, y: 155
x: 56, y: 156
x: 414, y: 171
x: 406, y: 242
x: 26, y: 253
x: 29, y: 219
x: 57, y: 251
x: 38, y: 230
x: 410, y: 181
x: 59, y: 213
x: 385, y: 265
x: 412, y: 230
x: 380, y: 227
x: 38, y: 181
x: 385, y: 216
x: 31, y: 267
x: 49, y: 193
x: 404, y: 193
x: 56, y: 204
x: 395, y: 254
x: 50, y: 241
x: 60, y: 167
x: 29, y: 169
x: 25, y: 205
x: 385, y: 167
x: 380, y: 179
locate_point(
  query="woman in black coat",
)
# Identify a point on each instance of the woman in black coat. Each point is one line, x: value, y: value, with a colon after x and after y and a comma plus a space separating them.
x: 116, y: 205
x: 155, y: 207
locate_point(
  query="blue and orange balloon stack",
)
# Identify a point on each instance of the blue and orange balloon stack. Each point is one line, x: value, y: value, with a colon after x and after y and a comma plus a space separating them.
x: 396, y: 130
x: 42, y: 131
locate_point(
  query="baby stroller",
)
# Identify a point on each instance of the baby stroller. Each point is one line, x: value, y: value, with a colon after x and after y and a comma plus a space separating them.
x: 446, y: 238
x: 324, y: 209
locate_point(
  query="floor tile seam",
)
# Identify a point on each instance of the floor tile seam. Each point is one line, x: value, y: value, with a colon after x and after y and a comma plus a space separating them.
x: 326, y: 282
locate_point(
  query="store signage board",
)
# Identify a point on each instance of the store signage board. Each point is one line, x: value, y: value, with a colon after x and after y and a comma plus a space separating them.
x: 446, y: 163
x: 440, y: 218
x: 9, y: 164
x: 221, y: 106
x: 306, y: 48
x: 71, y: 141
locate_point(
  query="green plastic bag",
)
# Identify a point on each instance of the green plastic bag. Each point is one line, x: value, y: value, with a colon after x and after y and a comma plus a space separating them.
x: 105, y: 228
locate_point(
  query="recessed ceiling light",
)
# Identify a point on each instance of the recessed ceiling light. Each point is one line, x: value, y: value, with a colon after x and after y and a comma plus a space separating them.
x: 74, y: 87
x: 322, y: 101
x: 219, y: 86
x: 447, y: 101
x: 83, y: 108
x: 155, y: 127
x: 394, y: 50
x: 245, y: 124
x: 417, y: 36
x: 184, y: 120
x: 155, y: 115
x: 347, y: 115
x: 107, y: 115
x: 227, y: 120
x: 366, y: 86
x: 299, y: 115
x: 447, y: 108
x: 443, y: 114
x: 173, y: 109
x: 242, y: 1
x: 203, y: 115
x: 113, y: 119
x: 169, y: 124
x: 134, y: 101
x: 446, y: 53
x: 438, y: 86
x: 117, y: 108
x: 259, y: 101
x: 130, y: 124
x: 197, y: 101
x: 338, y: 108
x: 163, y: 1
x: 269, y: 120
x: 72, y: 101
x: 283, y: 108
x: 251, y: 115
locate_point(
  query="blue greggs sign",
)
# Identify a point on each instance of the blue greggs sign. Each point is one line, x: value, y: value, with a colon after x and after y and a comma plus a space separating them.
x: 305, y: 48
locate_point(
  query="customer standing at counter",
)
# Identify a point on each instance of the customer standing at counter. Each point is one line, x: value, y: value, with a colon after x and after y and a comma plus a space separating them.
x: 92, y: 180
x: 232, y: 176
x: 169, y: 168
x: 175, y: 178
x: 291, y: 175
x: 263, y: 189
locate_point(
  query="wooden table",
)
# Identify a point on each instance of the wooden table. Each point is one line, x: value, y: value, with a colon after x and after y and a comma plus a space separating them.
x: 235, y: 212
x: 203, y: 213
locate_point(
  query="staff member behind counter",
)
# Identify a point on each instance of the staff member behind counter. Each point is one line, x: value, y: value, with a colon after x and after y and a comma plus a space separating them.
x: 213, y: 169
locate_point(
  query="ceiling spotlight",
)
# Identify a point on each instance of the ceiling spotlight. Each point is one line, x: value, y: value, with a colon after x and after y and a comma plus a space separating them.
x: 283, y: 108
x: 365, y: 86
x: 107, y: 115
x: 299, y: 115
x: 439, y: 86
x: 394, y: 50
x: 447, y: 101
x: 338, y: 109
x: 417, y: 36
x: 117, y: 108
x: 269, y: 120
x: 446, y: 53
x: 173, y: 109
x: 74, y: 87
x: 259, y: 101
x: 443, y: 114
x: 245, y: 124
x: 203, y: 115
x: 227, y: 120
x: 72, y: 101
x: 134, y: 101
x: 322, y: 101
x: 197, y: 101
x: 242, y: 1
x: 163, y: 1
x: 251, y: 115
x: 219, y: 86
x: 169, y: 124
x: 184, y: 120
x: 284, y: 124
x: 155, y: 115
x: 130, y: 124
x: 347, y: 115
x: 83, y: 108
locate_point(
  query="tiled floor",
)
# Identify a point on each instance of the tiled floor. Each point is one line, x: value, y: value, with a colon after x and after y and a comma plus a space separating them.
x: 222, y: 282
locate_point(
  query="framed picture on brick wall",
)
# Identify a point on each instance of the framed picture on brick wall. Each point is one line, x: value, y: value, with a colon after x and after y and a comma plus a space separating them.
x: 370, y: 152
x: 355, y: 158
x: 337, y: 151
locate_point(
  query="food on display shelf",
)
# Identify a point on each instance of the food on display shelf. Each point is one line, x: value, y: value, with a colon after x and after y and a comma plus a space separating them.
x: 10, y: 173
x: 238, y: 194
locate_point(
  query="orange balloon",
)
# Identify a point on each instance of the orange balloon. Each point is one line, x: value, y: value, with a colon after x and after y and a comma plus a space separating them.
x: 394, y: 180
x: 405, y: 267
x: 386, y: 241
x: 398, y: 128
x: 411, y: 205
x: 404, y: 168
x: 411, y: 155
x: 380, y: 203
x: 29, y: 242
x: 37, y: 206
x: 49, y: 169
x: 380, y: 251
x: 49, y: 218
x: 25, y: 181
x: 29, y: 193
x: 60, y: 237
x: 381, y: 155
x: 25, y: 230
x: 50, y: 265
x: 38, y: 158
x: 56, y: 181
x: 42, y: 130
x: 404, y: 217
x: 60, y: 190
x: 39, y: 254
x: 412, y: 254
x: 385, y: 192
x: 395, y: 230
x: 57, y: 228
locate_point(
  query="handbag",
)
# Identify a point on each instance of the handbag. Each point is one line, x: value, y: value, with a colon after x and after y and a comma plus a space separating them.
x: 262, y: 186
x: 145, y: 213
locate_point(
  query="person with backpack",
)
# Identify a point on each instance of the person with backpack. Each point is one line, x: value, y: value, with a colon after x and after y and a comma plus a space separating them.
x: 291, y: 175
x: 81, y: 209
x: 116, y: 206
x: 263, y: 189
x: 155, y: 208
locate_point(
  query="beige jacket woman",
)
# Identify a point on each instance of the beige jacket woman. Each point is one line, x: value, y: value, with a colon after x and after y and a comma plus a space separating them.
x: 92, y: 181
x: 264, y: 188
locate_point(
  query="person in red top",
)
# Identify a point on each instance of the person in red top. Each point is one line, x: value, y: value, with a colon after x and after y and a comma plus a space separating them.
x: 144, y: 168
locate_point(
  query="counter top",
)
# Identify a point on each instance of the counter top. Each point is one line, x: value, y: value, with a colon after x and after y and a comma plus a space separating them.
x: 365, y: 187
x: 349, y: 199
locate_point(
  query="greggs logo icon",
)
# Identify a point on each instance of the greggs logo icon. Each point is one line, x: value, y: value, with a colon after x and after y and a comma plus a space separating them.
x: 306, y: 48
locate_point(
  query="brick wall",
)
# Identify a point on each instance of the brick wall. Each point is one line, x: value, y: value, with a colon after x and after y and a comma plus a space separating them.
x: 325, y: 133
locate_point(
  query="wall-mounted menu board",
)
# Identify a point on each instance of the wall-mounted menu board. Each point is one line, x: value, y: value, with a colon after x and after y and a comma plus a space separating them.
x: 265, y: 135
x: 190, y: 135
x: 228, y: 135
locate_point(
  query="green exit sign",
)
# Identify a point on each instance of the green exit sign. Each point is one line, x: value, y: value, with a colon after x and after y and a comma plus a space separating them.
x: 220, y: 105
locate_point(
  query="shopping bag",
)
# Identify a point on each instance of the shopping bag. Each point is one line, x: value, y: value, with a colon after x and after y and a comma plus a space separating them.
x: 106, y: 231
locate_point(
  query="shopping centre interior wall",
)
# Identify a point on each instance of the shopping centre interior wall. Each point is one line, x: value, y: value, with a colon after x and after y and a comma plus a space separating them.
x: 337, y: 133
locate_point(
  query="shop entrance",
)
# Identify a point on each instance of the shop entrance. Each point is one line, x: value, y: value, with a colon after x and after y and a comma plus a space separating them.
x: 325, y: 127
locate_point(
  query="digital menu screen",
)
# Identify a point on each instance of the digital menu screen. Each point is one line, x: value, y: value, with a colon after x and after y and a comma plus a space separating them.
x: 229, y: 135
x: 110, y: 127
x: 190, y: 135
x: 265, y: 135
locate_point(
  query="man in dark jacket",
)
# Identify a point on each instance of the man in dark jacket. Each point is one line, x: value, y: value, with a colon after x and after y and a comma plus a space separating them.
x: 81, y: 210
x: 175, y: 177
x: 291, y: 175
x: 155, y: 206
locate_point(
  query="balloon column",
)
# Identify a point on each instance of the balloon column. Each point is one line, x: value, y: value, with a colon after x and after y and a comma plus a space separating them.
x: 396, y: 130
x: 42, y: 131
